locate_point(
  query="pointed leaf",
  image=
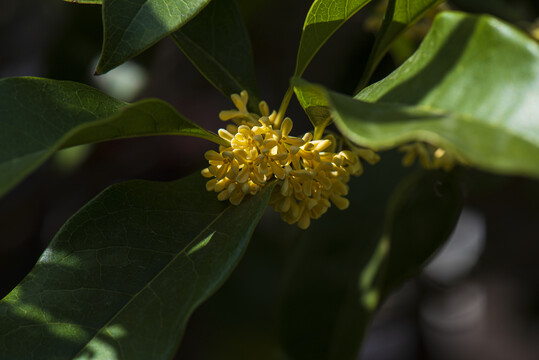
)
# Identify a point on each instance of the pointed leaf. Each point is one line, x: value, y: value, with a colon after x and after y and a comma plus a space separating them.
x: 472, y: 88
x: 400, y: 14
x: 132, y: 26
x: 40, y: 116
x: 123, y: 275
x: 323, y: 19
x: 217, y: 43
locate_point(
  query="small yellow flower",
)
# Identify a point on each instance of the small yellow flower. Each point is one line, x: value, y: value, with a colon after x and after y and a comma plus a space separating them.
x: 311, y: 175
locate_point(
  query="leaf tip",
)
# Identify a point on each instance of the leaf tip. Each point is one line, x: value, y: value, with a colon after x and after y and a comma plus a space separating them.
x: 102, y: 67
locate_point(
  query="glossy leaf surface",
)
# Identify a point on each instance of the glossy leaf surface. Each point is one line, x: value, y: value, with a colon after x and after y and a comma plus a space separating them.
x: 340, y: 273
x: 474, y: 141
x: 123, y: 275
x: 217, y: 43
x: 323, y: 19
x: 40, y: 116
x: 472, y: 88
x: 400, y: 14
x: 132, y: 26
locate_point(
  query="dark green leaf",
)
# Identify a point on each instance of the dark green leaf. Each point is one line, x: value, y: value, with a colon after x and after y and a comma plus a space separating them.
x: 132, y: 26
x: 123, y: 275
x: 340, y: 273
x: 421, y: 215
x: 323, y: 19
x: 321, y: 314
x: 40, y: 116
x: 472, y: 88
x: 217, y: 43
x: 400, y: 14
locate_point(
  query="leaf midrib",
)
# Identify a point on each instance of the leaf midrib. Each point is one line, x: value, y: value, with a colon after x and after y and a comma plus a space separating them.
x: 168, y: 32
x: 212, y: 59
x: 458, y: 116
x: 156, y: 276
x: 297, y: 71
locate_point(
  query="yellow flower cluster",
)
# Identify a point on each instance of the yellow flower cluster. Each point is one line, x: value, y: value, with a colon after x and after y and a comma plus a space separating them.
x: 429, y: 156
x: 311, y: 175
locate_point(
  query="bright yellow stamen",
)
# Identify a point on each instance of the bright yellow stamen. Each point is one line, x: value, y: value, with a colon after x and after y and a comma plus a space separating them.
x: 312, y: 176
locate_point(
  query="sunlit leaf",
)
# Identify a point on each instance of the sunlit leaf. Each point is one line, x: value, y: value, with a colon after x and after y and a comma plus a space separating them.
x: 123, y: 275
x: 217, y: 43
x: 472, y: 88
x: 40, y: 116
x: 132, y: 26
x: 473, y: 141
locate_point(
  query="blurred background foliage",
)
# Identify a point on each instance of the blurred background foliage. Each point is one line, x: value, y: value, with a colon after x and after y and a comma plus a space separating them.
x: 478, y: 300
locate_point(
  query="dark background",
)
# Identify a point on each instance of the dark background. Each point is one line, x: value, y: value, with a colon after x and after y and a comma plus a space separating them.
x: 488, y: 312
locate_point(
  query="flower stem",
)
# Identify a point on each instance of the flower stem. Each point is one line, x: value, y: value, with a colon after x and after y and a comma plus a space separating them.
x: 284, y: 105
x: 318, y: 132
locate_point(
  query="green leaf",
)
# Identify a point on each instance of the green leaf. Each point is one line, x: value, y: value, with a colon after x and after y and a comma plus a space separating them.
x: 123, y: 275
x: 400, y: 14
x: 132, y: 26
x: 40, y: 116
x: 340, y: 274
x: 217, y: 43
x: 315, y: 104
x: 95, y: 2
x: 472, y: 88
x: 320, y: 315
x: 323, y: 19
x: 421, y: 215
x: 495, y: 147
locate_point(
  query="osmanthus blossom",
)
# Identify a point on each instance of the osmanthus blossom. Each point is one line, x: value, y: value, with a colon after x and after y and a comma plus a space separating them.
x: 311, y: 175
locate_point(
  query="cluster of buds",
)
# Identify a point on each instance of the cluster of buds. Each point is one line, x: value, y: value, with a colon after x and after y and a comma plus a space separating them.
x: 311, y: 175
